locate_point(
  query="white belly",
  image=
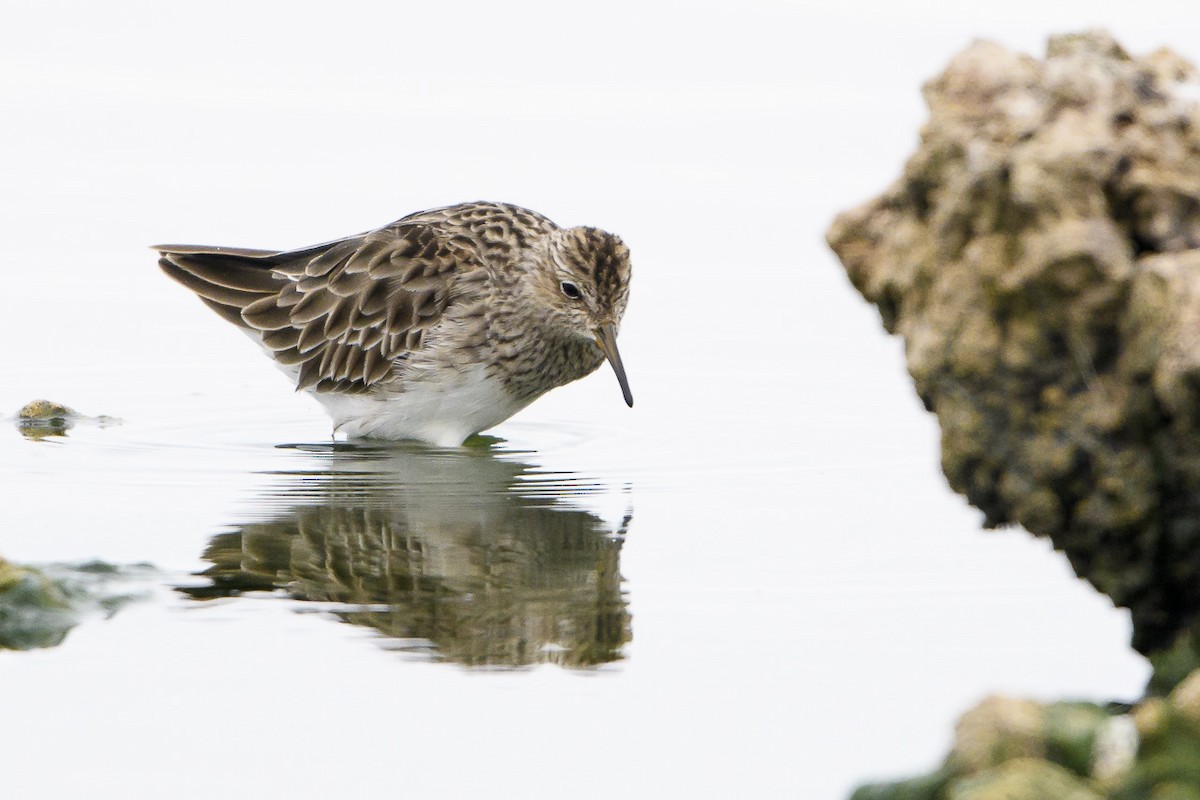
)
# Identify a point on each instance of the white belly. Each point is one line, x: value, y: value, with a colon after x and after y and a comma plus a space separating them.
x: 442, y: 411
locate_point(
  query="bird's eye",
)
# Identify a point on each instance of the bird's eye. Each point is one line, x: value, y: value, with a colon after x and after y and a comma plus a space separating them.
x: 571, y: 290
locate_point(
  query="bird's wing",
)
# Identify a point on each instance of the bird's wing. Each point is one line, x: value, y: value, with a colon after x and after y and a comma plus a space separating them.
x: 341, y: 314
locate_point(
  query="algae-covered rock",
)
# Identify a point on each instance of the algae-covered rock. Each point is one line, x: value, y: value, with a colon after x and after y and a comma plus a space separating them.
x: 1040, y: 255
x: 34, y: 610
x: 926, y: 787
x: 1185, y: 699
x: 1003, y: 729
x: 997, y: 730
x: 46, y: 411
x: 10, y: 574
x: 1173, y: 664
x: 1168, y: 759
x: 1075, y: 733
x: 1175, y: 791
x: 1007, y: 749
x: 1023, y: 779
x: 40, y: 419
x: 40, y: 605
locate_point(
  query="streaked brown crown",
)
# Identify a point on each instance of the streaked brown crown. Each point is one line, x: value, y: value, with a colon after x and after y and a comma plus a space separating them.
x: 602, y: 257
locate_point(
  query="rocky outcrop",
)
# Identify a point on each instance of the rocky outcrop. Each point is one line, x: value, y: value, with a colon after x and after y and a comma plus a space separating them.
x: 1008, y: 749
x: 1040, y: 255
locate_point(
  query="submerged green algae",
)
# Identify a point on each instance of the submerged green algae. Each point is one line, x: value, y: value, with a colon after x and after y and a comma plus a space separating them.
x: 40, y: 605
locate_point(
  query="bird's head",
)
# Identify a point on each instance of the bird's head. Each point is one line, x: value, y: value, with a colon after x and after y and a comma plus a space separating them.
x: 585, y: 287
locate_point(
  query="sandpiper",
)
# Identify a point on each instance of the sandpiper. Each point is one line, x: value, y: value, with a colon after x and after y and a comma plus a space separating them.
x: 435, y: 327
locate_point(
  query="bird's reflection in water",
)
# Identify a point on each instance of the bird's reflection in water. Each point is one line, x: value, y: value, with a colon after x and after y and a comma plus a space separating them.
x: 461, y: 555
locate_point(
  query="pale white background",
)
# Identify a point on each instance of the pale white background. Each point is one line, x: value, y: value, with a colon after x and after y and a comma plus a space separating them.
x: 812, y: 606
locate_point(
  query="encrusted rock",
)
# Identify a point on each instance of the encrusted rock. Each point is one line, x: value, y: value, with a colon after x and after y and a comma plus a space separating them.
x: 1040, y: 255
x: 997, y: 730
x: 1023, y: 779
x: 40, y: 419
x: 1008, y: 749
x: 1185, y: 700
x: 45, y: 411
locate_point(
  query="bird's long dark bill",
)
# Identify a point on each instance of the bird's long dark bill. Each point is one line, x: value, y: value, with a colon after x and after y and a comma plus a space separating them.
x: 606, y: 337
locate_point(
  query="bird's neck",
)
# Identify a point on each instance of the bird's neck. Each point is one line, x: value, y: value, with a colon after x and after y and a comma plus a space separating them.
x: 540, y: 359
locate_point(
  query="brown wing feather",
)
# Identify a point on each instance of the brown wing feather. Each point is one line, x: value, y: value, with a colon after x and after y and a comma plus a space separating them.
x: 343, y: 313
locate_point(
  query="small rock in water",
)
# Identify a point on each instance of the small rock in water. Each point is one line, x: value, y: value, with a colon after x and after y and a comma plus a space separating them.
x: 45, y: 411
x: 42, y: 418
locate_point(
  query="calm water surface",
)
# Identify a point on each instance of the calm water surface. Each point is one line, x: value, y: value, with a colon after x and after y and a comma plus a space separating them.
x: 634, y: 588
x: 753, y: 584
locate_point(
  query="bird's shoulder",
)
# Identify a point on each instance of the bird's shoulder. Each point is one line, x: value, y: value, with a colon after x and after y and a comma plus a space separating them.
x: 352, y: 309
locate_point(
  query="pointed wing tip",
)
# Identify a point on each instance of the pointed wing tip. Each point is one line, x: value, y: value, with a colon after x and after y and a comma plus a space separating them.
x: 215, y: 250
